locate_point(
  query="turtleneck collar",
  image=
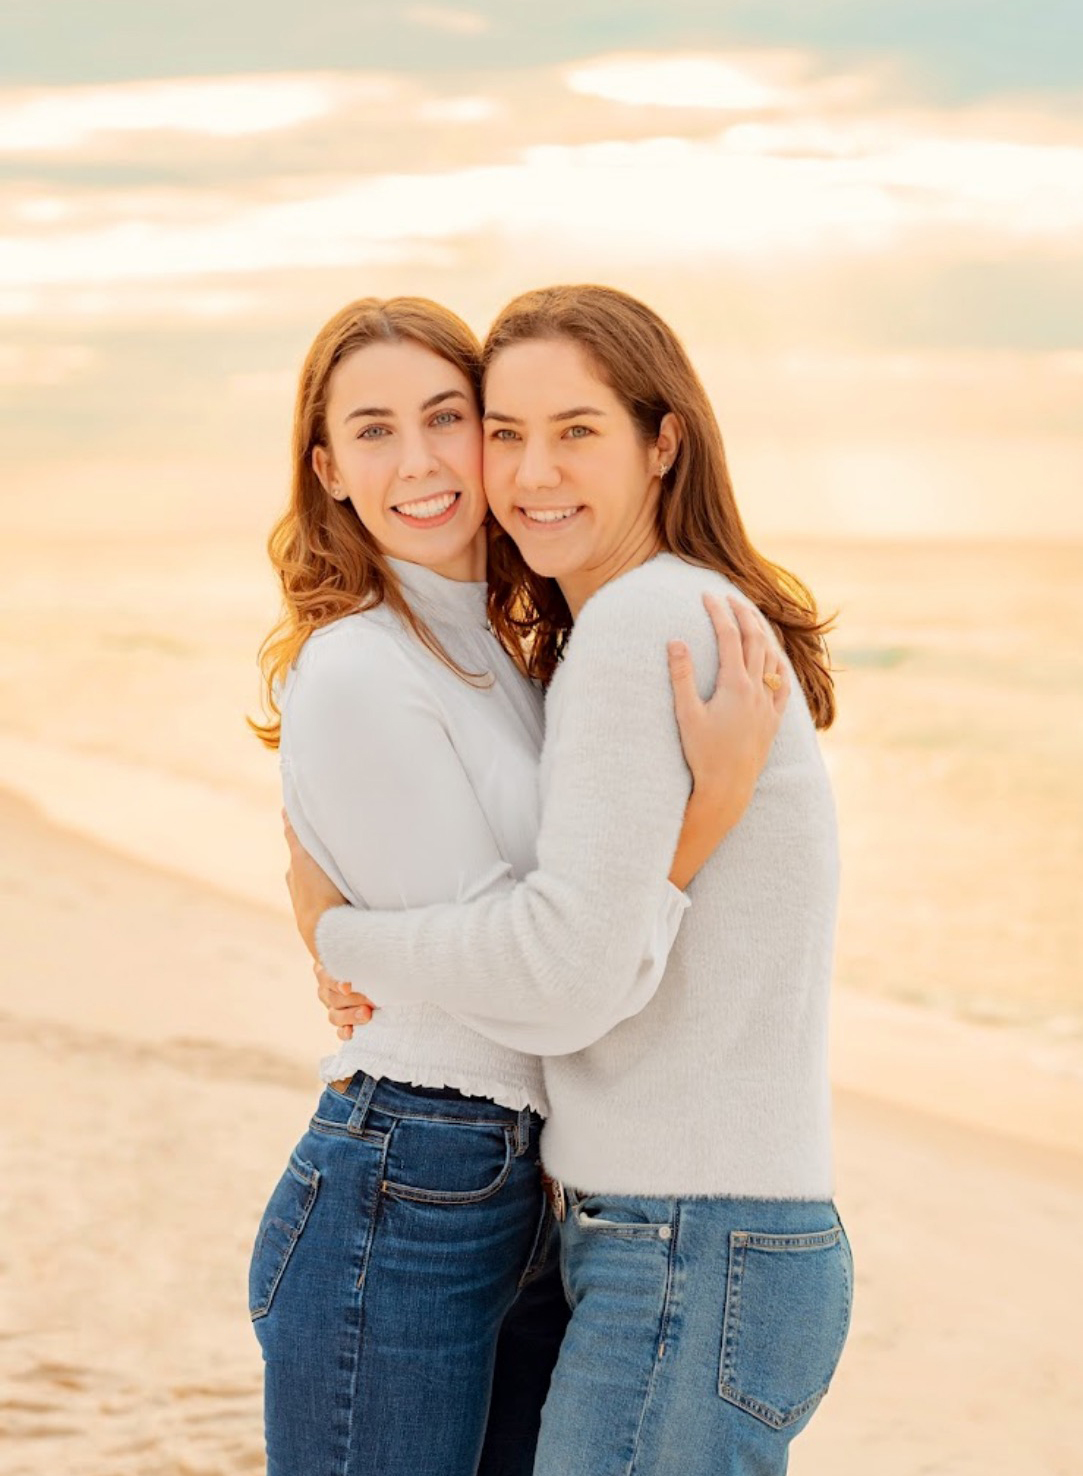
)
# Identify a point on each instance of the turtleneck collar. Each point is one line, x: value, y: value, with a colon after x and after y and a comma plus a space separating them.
x: 434, y: 597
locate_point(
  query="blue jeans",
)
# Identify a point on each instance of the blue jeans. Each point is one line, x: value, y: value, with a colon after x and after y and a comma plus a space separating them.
x: 405, y: 1289
x: 704, y: 1333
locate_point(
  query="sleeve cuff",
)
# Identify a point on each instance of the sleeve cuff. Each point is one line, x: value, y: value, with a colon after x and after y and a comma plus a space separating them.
x: 333, y: 944
x: 675, y: 903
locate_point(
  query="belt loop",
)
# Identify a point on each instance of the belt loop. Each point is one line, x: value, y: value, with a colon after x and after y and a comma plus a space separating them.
x: 360, y: 1112
x: 522, y: 1131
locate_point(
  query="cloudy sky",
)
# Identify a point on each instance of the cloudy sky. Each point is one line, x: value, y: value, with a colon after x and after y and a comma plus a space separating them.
x: 865, y: 219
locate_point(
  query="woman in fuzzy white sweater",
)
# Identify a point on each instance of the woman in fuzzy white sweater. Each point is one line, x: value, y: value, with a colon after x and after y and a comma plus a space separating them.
x: 688, y: 1143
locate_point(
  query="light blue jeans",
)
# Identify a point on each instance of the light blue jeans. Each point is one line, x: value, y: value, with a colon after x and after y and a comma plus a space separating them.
x: 704, y: 1333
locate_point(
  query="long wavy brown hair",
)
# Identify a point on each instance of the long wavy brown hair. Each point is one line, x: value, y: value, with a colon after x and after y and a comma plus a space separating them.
x: 644, y: 363
x: 327, y: 562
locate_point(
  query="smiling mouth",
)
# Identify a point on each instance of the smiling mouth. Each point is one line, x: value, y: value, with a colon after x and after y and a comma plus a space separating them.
x: 549, y: 517
x: 429, y: 511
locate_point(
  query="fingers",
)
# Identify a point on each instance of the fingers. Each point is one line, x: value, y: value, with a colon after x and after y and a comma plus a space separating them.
x: 351, y: 1016
x: 754, y: 644
x: 682, y: 676
x: 746, y: 649
x: 781, y: 695
x: 344, y: 1008
x: 331, y: 992
x: 727, y: 633
x: 344, y: 1005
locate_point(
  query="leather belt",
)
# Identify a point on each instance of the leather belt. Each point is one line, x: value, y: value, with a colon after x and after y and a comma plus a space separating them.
x: 554, y: 1193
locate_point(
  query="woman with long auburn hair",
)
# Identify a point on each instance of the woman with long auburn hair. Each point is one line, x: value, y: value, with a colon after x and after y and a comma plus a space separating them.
x: 688, y: 1150
x: 401, y: 1284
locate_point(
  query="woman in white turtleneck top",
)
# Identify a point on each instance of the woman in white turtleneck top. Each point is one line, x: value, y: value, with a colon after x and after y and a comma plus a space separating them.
x: 443, y: 778
x: 406, y: 1245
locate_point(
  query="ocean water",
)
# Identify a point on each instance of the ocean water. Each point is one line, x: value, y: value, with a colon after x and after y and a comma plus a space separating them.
x: 129, y: 665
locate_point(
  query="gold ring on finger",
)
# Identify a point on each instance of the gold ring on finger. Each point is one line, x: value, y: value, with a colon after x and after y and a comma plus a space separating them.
x: 772, y: 680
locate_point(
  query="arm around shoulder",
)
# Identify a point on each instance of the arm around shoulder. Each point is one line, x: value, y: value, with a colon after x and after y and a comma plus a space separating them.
x: 569, y: 941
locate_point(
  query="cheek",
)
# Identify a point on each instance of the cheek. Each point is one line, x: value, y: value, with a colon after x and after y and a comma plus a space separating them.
x: 499, y: 476
x: 624, y: 486
x: 366, y: 480
x: 464, y: 454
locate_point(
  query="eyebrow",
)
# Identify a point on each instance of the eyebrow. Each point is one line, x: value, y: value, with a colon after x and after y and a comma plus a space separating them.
x: 388, y: 414
x: 560, y: 415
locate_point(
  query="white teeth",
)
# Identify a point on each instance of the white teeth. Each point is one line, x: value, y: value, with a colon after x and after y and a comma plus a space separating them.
x: 553, y: 516
x: 432, y: 507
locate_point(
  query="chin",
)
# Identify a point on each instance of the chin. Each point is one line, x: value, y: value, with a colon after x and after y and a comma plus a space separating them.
x: 547, y: 563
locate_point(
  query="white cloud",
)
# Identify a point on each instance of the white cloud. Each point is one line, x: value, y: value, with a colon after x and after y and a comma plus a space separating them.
x: 139, y: 302
x: 310, y: 233
x: 437, y: 18
x: 33, y: 120
x: 459, y: 110
x: 740, y: 83
x: 42, y: 210
x: 815, y: 179
x: 1021, y: 189
x: 653, y: 200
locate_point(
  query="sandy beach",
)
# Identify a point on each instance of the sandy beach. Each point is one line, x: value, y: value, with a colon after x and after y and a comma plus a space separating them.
x: 158, y: 1026
x: 151, y: 1091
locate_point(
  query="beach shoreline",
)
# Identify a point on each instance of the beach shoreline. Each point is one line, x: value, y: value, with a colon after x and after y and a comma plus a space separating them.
x: 173, y: 1069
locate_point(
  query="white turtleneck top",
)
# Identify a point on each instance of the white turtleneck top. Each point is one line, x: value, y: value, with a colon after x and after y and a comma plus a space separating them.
x: 410, y: 786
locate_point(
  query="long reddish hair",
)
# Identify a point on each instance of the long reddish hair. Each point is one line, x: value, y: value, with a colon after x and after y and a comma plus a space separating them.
x: 645, y: 364
x: 327, y: 562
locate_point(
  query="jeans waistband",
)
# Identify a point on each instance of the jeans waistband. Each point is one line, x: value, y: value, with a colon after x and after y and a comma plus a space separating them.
x: 443, y: 1104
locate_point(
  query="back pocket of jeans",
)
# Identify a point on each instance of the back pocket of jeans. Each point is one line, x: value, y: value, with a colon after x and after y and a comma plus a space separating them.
x: 280, y: 1229
x: 788, y: 1300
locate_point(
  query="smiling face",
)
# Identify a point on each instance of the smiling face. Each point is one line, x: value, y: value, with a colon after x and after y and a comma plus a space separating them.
x: 567, y: 471
x: 404, y: 447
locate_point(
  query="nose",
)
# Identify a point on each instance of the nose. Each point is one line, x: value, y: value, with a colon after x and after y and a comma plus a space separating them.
x: 417, y: 459
x: 537, y: 470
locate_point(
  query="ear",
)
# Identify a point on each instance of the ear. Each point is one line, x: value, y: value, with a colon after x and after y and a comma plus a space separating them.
x: 668, y: 443
x: 324, y: 468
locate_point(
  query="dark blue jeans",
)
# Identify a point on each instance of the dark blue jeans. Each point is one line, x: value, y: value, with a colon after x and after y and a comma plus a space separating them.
x: 405, y: 1289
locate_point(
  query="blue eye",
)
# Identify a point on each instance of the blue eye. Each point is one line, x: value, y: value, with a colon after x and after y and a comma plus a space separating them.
x: 577, y: 432
x: 446, y: 417
x: 504, y: 433
x: 373, y: 433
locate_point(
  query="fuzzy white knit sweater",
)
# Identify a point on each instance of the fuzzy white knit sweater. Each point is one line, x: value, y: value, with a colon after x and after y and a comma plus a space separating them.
x: 719, y: 1085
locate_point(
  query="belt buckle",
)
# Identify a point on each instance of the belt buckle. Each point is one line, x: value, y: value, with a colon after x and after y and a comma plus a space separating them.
x: 554, y: 1193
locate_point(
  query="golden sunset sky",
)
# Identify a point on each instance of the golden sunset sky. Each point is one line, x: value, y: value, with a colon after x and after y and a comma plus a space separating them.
x: 865, y: 220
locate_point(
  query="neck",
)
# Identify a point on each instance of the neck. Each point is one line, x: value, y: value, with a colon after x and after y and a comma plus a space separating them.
x: 577, y: 588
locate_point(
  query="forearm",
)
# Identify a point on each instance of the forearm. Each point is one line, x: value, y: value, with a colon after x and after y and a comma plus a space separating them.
x: 548, y: 953
x: 709, y: 818
x: 572, y: 937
